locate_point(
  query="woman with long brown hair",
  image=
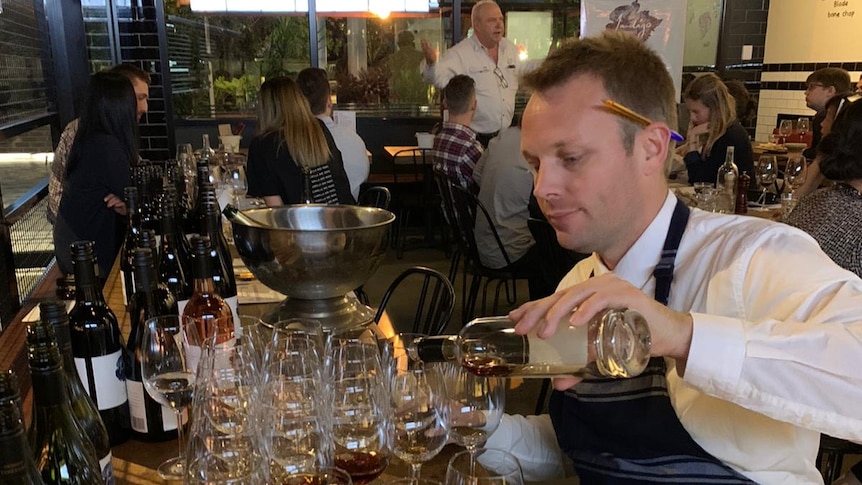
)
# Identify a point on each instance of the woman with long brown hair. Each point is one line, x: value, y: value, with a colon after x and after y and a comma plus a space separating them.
x: 713, y: 128
x: 291, y: 145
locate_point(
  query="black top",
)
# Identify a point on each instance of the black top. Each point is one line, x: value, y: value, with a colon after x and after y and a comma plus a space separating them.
x: 705, y: 169
x: 272, y: 171
x: 101, y: 167
x: 816, y: 135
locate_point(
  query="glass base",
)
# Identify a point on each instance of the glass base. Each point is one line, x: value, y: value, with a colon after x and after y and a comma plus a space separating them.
x: 173, y: 469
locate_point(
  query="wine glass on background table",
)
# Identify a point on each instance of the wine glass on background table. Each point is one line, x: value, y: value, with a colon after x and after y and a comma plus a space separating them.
x: 234, y: 179
x: 803, y: 126
x: 360, y: 408
x: 418, y: 400
x: 795, y: 172
x: 168, y: 376
x: 484, y: 467
x: 766, y: 172
x: 475, y: 403
x: 785, y: 129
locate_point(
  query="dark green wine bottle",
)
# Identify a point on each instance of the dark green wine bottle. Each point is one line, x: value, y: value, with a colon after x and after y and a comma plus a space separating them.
x: 62, y: 452
x: 54, y: 314
x: 16, y: 459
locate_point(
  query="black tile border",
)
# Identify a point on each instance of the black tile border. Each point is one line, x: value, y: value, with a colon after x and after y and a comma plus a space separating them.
x: 812, y: 66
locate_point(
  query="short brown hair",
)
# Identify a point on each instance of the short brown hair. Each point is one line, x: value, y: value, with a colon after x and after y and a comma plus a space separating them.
x: 314, y: 84
x: 132, y: 72
x: 459, y: 94
x: 831, y: 76
x: 631, y: 73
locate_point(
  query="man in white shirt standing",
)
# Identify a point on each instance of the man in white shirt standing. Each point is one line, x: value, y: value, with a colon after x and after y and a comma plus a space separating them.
x: 493, y: 63
x: 314, y: 84
x: 756, y: 333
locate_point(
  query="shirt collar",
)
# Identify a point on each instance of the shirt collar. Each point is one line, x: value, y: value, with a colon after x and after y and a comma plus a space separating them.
x: 458, y: 126
x: 477, y: 46
x: 637, y: 265
x: 327, y: 120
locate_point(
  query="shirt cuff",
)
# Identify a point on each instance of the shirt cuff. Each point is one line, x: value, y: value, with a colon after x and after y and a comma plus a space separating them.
x: 716, y: 354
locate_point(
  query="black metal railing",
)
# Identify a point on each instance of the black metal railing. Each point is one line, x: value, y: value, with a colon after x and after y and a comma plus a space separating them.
x: 26, y: 249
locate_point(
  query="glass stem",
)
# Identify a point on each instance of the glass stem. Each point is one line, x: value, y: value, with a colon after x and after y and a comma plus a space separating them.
x: 180, y: 438
x: 415, y: 470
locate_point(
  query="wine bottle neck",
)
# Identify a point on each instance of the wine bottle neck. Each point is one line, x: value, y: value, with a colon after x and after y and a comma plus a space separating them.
x: 439, y: 348
x: 49, y: 387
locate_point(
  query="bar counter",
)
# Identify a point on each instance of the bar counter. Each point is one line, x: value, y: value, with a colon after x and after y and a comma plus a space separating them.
x: 136, y: 462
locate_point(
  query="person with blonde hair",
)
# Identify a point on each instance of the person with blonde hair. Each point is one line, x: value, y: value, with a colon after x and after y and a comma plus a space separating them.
x: 713, y: 128
x: 292, y: 144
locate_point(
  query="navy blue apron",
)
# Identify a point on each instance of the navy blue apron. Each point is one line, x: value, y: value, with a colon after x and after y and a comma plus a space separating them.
x: 625, y: 431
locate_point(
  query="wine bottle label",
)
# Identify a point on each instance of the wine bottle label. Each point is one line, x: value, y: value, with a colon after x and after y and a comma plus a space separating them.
x: 138, y: 409
x: 137, y: 406
x: 108, y: 377
x: 107, y: 467
x: 169, y: 419
x: 181, y: 307
x: 233, y: 304
x: 128, y: 286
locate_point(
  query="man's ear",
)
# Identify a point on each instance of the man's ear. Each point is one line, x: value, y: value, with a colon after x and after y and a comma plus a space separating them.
x: 475, y: 103
x: 654, y: 143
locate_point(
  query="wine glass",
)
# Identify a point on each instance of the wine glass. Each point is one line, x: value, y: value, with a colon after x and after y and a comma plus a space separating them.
x: 802, y: 126
x: 234, y: 178
x: 795, y: 172
x: 475, y: 405
x: 785, y: 129
x: 360, y: 408
x: 417, y: 397
x: 168, y: 377
x: 225, y: 441
x: 484, y: 467
x: 294, y: 412
x: 766, y: 172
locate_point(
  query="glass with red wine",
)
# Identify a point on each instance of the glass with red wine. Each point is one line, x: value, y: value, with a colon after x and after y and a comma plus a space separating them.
x: 360, y: 408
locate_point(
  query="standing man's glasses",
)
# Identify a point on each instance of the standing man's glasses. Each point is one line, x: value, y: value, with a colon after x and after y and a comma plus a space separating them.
x: 500, y: 78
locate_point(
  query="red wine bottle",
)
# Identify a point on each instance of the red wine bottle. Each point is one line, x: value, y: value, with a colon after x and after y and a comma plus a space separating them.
x: 54, y: 313
x: 16, y: 458
x: 97, y: 346
x: 174, y: 253
x: 150, y: 421
x: 133, y: 231
x: 61, y: 448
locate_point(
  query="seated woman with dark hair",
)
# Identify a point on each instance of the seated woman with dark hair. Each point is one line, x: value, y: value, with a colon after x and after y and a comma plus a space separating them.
x: 97, y: 170
x: 291, y: 146
x: 833, y: 215
x: 815, y: 178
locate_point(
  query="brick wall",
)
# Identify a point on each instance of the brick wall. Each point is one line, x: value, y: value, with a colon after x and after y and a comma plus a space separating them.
x: 34, y: 141
x: 139, y: 45
x: 744, y: 24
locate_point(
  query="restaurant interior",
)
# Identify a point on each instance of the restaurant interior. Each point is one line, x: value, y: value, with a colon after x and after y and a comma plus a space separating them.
x: 208, y: 58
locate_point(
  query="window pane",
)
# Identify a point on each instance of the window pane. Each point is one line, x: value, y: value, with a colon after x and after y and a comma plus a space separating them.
x: 219, y: 61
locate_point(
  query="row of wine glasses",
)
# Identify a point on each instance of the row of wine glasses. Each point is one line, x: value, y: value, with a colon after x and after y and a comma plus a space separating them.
x: 766, y: 173
x: 230, y: 176
x: 286, y: 408
x: 785, y: 128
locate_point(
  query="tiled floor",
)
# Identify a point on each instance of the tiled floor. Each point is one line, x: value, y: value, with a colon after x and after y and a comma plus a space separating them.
x: 18, y: 174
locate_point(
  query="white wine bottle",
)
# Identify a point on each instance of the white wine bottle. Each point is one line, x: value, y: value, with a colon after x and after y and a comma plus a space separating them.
x: 616, y: 344
x: 16, y: 458
x: 61, y: 449
x: 54, y: 314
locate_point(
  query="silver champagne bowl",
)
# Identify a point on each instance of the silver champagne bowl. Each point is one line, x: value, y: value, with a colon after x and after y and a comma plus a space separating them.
x: 313, y: 251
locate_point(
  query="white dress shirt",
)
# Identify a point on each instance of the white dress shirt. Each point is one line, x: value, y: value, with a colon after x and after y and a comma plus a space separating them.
x: 353, y: 154
x: 496, y: 84
x: 777, y: 338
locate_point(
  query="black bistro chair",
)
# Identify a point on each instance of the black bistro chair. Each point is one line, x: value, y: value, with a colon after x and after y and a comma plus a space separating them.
x: 432, y: 293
